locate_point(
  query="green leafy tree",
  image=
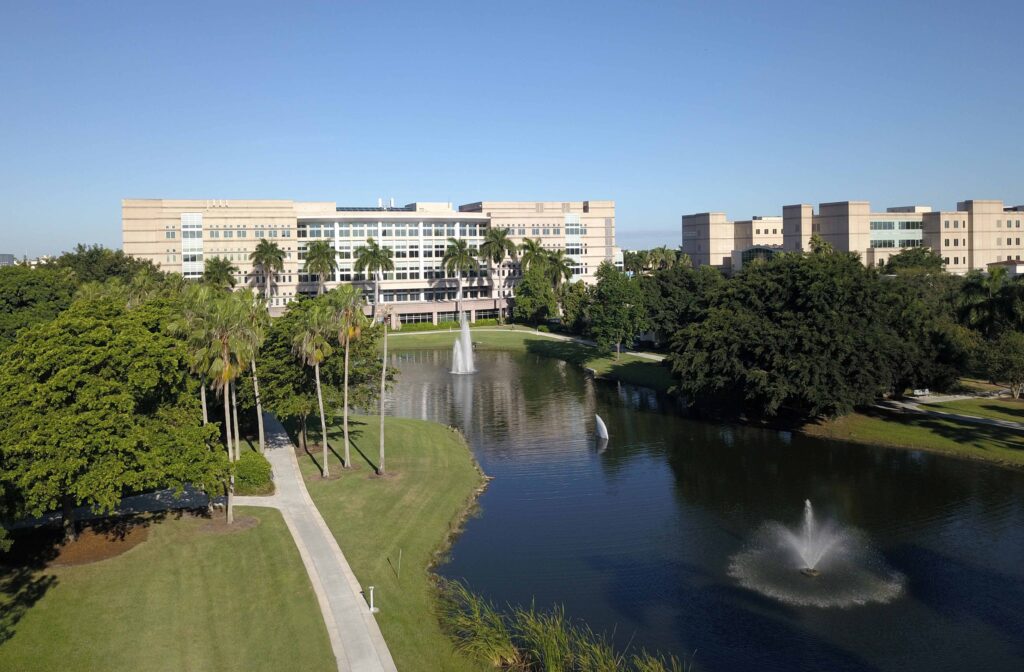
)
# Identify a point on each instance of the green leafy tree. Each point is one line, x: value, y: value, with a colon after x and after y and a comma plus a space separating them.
x: 535, y: 300
x: 374, y: 260
x: 311, y: 345
x: 575, y: 301
x: 458, y: 259
x: 96, y: 405
x: 321, y: 261
x: 915, y: 258
x: 807, y: 334
x: 1004, y: 361
x: 219, y: 272
x: 990, y: 302
x: 95, y: 263
x: 617, y: 313
x: 268, y: 257
x: 255, y: 322
x: 31, y: 296
x: 678, y: 296
x: 496, y: 248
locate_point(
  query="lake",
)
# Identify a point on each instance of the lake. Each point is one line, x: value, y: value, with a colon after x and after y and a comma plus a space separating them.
x: 636, y: 539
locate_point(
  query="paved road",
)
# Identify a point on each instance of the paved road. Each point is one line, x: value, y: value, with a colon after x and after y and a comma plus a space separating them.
x: 357, y: 642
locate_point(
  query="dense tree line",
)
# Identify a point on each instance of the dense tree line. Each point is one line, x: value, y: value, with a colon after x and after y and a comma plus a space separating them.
x: 120, y: 379
x: 805, y: 334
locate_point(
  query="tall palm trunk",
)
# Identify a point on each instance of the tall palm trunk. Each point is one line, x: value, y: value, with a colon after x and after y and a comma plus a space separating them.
x: 344, y: 411
x: 231, y: 483
x: 259, y: 404
x: 376, y: 293
x: 202, y: 399
x: 266, y: 285
x: 238, y: 434
x: 458, y: 296
x: 383, y: 377
x: 323, y: 422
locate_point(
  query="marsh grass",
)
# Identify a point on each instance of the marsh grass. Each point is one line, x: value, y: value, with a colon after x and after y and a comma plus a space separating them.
x: 529, y: 640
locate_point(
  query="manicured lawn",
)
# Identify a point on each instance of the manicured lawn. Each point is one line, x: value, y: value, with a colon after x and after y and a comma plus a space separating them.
x: 432, y: 478
x: 979, y: 385
x: 185, y: 599
x: 998, y: 409
x: 923, y: 432
x: 628, y: 368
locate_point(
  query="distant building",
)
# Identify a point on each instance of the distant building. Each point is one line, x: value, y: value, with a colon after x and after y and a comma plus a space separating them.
x: 977, y: 233
x: 179, y: 235
x: 7, y: 260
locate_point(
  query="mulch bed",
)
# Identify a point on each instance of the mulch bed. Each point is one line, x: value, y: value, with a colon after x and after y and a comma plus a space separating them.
x: 99, y: 540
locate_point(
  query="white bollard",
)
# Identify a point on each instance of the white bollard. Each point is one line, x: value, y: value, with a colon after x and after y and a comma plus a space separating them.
x: 373, y: 609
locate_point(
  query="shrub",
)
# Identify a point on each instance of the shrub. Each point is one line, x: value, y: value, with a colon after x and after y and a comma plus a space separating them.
x: 486, y: 322
x: 253, y: 475
x: 544, y: 329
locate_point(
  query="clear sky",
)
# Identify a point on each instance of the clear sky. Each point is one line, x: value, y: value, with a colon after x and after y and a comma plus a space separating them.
x: 665, y: 107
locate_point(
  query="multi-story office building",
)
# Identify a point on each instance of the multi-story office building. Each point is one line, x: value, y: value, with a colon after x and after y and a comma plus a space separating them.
x: 7, y: 260
x: 976, y: 234
x: 180, y: 235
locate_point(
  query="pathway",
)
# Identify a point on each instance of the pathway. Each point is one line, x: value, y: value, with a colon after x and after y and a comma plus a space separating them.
x: 355, y: 637
x: 907, y: 406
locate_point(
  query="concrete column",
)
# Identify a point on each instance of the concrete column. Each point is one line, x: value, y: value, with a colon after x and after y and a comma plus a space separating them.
x: 435, y: 316
x: 472, y: 314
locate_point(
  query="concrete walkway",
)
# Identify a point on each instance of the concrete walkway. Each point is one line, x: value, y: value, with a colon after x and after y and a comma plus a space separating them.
x: 357, y: 642
x: 907, y: 406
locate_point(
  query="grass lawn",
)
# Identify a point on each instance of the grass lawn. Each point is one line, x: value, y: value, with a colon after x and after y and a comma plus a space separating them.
x: 998, y: 409
x: 431, y: 479
x: 923, y: 432
x: 979, y: 385
x: 628, y: 368
x: 187, y: 598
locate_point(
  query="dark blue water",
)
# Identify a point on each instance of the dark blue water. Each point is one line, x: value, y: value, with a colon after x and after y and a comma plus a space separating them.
x: 636, y: 540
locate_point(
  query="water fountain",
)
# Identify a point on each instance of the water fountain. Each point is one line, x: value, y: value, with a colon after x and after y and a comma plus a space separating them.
x: 844, y: 570
x: 462, y: 351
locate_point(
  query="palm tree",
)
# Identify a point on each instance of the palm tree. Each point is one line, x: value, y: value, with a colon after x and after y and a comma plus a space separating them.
x: 269, y: 258
x: 531, y: 252
x: 256, y: 323
x: 495, y: 248
x: 459, y: 259
x: 662, y: 258
x: 193, y: 326
x: 374, y: 259
x: 346, y: 305
x: 219, y: 272
x: 558, y: 268
x: 987, y: 299
x: 227, y: 352
x: 312, y: 347
x: 320, y: 261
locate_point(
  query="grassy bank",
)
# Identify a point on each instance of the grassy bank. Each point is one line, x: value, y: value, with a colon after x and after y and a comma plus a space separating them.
x: 926, y: 432
x: 627, y: 368
x: 190, y: 597
x: 996, y: 409
x: 408, y: 514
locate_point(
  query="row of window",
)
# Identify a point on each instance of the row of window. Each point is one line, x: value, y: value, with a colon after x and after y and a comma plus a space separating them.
x: 956, y: 242
x: 758, y: 231
x: 912, y: 242
x: 1009, y: 241
x: 1009, y: 224
x: 895, y: 225
x: 390, y: 229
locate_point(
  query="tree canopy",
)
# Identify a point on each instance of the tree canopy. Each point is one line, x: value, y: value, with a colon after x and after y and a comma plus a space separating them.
x: 30, y: 296
x: 617, y: 314
x: 96, y: 405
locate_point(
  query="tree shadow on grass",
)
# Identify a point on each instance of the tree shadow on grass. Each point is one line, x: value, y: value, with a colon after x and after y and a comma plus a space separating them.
x: 23, y: 576
x: 355, y: 435
x: 569, y: 351
x: 976, y: 435
x: 998, y: 410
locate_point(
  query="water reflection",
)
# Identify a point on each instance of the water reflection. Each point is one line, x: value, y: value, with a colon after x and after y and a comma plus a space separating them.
x: 636, y: 538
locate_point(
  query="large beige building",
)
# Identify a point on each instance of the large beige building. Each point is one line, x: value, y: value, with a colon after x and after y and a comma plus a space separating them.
x: 180, y: 235
x: 976, y: 234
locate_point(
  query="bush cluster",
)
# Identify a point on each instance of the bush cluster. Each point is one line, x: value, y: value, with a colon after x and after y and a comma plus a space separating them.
x: 253, y: 475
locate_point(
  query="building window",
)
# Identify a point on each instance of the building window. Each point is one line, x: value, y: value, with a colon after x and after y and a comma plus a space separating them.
x: 946, y: 243
x: 170, y: 234
x: 214, y: 234
x: 947, y: 224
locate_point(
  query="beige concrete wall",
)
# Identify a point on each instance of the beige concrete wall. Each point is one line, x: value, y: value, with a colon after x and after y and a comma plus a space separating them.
x: 709, y: 238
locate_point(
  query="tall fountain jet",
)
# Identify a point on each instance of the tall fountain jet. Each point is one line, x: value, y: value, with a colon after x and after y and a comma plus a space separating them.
x: 462, y: 351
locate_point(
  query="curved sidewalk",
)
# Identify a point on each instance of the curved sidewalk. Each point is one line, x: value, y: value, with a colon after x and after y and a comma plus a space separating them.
x: 355, y: 637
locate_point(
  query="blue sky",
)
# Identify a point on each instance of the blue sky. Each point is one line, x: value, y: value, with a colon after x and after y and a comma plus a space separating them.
x: 665, y: 107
